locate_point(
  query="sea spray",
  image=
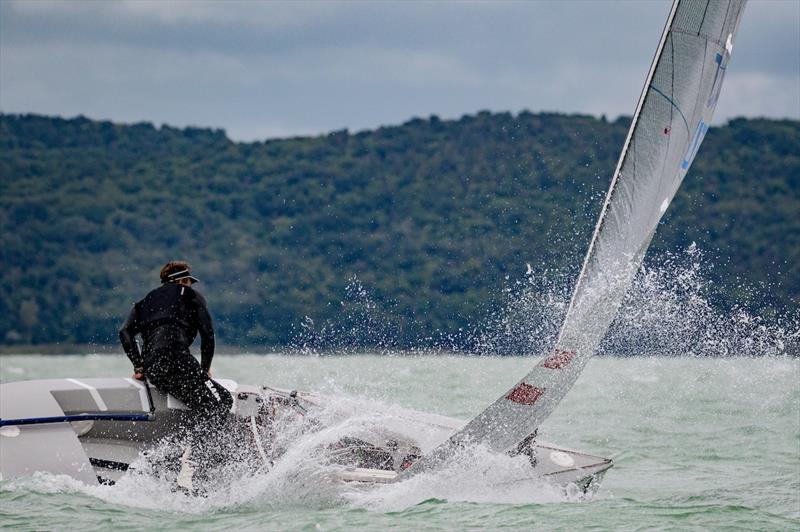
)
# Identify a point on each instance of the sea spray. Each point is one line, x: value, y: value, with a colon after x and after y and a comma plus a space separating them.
x: 359, y: 323
x: 668, y: 311
x: 474, y: 474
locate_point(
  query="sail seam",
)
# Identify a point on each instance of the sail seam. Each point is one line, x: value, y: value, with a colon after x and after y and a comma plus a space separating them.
x: 725, y: 23
x: 672, y: 102
x: 700, y: 84
x: 702, y: 20
x: 705, y: 37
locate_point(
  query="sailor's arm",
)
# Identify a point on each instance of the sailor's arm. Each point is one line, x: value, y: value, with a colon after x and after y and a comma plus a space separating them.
x: 127, y: 337
x: 206, y: 329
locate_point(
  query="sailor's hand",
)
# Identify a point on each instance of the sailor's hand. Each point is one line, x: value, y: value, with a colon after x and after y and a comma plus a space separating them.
x: 208, y: 373
x: 138, y: 375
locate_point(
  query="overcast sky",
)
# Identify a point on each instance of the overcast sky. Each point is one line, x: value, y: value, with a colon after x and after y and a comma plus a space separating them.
x: 273, y: 69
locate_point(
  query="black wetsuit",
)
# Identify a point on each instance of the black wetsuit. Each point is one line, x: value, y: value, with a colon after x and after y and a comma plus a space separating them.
x: 169, y: 318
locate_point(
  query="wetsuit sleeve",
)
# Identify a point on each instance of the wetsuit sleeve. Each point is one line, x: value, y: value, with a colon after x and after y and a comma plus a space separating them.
x: 127, y: 337
x: 206, y: 329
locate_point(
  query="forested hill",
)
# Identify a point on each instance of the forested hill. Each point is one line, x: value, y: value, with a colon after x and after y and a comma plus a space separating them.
x: 405, y: 235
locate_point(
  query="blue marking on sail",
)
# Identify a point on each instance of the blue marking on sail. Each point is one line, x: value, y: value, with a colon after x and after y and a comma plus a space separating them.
x: 716, y: 85
x: 699, y: 133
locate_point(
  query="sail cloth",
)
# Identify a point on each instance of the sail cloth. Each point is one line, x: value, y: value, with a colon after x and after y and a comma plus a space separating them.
x: 671, y: 119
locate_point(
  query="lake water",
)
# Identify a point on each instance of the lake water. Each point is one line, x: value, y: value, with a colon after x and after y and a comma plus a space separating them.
x: 697, y: 444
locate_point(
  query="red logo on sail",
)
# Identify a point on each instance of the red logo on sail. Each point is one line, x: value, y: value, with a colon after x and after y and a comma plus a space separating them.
x: 525, y: 394
x: 558, y: 359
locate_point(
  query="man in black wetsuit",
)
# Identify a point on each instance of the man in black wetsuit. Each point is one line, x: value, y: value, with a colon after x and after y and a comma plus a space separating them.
x: 168, y: 319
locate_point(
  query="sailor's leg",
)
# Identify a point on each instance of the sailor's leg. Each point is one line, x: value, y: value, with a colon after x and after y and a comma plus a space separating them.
x: 209, y: 405
x: 180, y: 375
x: 202, y: 395
x: 205, y: 433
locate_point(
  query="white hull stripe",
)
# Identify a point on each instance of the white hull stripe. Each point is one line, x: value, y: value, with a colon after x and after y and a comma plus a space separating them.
x: 93, y: 392
x: 173, y: 403
x: 142, y: 394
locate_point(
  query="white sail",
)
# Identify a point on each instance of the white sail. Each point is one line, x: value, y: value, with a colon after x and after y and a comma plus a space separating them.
x: 671, y: 119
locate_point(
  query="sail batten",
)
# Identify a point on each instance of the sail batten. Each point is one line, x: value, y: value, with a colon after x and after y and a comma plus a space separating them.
x: 672, y: 116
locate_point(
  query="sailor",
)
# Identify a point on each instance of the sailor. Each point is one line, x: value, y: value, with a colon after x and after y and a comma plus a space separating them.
x: 168, y: 320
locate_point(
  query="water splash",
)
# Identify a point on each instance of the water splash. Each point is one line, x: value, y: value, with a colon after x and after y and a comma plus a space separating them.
x: 475, y: 475
x: 667, y: 311
x: 360, y: 322
x: 530, y: 318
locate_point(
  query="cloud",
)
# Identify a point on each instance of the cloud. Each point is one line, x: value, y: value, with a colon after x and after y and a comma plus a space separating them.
x: 259, y: 68
x: 757, y: 94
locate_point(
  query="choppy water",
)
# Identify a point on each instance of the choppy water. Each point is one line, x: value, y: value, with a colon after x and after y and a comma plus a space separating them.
x: 698, y: 443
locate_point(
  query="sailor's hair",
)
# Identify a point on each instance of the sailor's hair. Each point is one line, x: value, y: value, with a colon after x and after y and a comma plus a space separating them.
x: 176, y: 269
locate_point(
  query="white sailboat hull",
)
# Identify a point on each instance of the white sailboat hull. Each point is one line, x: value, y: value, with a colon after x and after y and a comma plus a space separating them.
x: 102, y: 450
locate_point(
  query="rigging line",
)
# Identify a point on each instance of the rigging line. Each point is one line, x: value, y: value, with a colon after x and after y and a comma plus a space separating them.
x: 685, y: 123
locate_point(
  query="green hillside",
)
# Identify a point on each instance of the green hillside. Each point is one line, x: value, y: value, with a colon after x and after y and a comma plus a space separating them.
x: 402, y: 236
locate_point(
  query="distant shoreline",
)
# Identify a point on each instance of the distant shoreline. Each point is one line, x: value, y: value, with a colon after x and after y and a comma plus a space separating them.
x: 103, y: 349
x: 418, y: 233
x: 58, y: 349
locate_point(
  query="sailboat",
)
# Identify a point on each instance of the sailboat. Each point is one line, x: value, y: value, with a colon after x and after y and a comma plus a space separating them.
x: 99, y: 430
x: 95, y: 429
